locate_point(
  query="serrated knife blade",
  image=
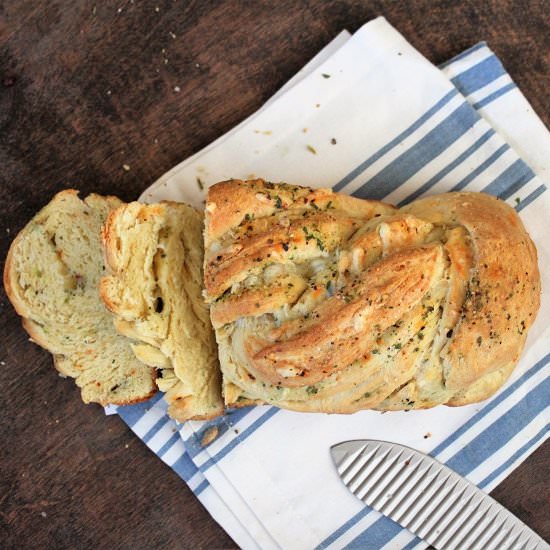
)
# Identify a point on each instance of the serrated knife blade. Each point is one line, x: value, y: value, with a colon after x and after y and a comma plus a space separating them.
x: 428, y: 498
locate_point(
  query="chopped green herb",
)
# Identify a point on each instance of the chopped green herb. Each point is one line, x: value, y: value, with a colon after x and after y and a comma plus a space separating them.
x: 518, y: 200
x: 278, y: 202
x: 311, y: 149
x: 479, y: 340
x: 397, y: 346
x: 200, y: 183
x: 311, y: 390
x: 325, y: 75
x: 367, y: 394
x: 310, y: 236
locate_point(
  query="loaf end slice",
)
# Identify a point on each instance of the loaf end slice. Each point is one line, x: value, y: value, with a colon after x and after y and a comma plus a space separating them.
x: 51, y: 276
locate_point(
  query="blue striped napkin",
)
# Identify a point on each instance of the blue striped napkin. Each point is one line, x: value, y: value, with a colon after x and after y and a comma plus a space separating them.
x: 372, y: 117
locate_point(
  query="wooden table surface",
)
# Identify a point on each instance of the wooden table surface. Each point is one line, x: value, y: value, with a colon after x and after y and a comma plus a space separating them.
x: 87, y: 87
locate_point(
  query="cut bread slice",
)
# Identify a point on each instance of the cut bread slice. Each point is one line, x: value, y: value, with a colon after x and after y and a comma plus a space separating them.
x: 154, y: 255
x: 51, y: 276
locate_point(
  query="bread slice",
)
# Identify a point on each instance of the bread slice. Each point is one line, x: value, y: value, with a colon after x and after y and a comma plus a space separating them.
x: 51, y: 276
x: 154, y: 255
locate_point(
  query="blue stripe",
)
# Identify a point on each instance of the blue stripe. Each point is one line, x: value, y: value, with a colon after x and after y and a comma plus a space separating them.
x: 344, y: 527
x: 381, y: 152
x: 132, y: 413
x: 531, y: 197
x: 377, y: 535
x: 152, y: 431
x: 412, y: 544
x: 535, y: 369
x: 495, y: 95
x: 201, y: 487
x: 239, y: 439
x: 464, y: 54
x: 510, y: 181
x: 185, y: 467
x: 427, y: 148
x: 443, y: 445
x: 479, y: 75
x: 451, y: 166
x: 482, y: 167
x: 503, y: 429
x: 523, y: 449
x: 168, y: 444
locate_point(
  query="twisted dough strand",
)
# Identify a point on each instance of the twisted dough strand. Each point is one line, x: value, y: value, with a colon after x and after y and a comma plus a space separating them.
x: 324, y: 302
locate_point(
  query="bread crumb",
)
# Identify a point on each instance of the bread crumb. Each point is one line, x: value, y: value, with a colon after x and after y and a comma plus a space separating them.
x: 427, y: 435
x: 126, y: 445
x: 177, y: 89
x: 126, y: 167
x: 172, y: 35
x: 43, y: 514
x: 209, y: 435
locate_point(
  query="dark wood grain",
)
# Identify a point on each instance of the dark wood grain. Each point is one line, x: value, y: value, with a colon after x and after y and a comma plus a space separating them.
x: 86, y: 87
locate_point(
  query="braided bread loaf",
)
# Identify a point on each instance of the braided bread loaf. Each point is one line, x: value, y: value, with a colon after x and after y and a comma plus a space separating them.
x: 326, y: 303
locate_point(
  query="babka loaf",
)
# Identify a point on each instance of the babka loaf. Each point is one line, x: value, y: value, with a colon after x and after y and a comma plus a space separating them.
x: 323, y: 302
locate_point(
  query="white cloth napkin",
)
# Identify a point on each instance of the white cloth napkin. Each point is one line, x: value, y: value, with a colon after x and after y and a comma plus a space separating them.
x: 369, y: 116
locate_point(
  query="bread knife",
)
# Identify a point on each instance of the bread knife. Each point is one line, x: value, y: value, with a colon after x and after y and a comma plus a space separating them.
x: 428, y: 498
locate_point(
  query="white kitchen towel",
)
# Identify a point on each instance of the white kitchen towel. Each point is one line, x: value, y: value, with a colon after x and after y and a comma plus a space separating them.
x: 374, y: 118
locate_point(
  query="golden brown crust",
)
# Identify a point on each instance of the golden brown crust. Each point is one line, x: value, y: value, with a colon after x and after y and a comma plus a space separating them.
x: 503, y: 288
x: 396, y: 309
x: 231, y: 202
x: 336, y: 328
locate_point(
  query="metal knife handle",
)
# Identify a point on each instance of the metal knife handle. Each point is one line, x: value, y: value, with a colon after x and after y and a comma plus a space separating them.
x: 428, y: 498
